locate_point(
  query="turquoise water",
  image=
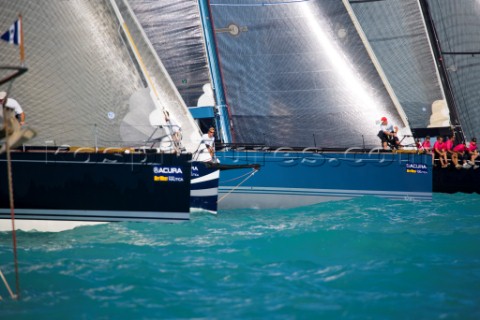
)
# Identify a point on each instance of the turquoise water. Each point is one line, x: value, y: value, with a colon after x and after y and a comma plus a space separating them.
x: 365, y: 258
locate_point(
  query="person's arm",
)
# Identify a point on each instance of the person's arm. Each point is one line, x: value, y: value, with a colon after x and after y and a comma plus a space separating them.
x: 210, y: 148
x: 22, y: 118
x: 443, y: 151
x: 386, y: 131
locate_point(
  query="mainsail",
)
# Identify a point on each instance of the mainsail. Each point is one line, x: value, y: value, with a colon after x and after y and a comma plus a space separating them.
x: 297, y: 73
x: 85, y: 84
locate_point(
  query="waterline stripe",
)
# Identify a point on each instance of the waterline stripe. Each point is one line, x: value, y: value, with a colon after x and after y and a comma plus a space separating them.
x: 95, y: 215
x: 324, y: 192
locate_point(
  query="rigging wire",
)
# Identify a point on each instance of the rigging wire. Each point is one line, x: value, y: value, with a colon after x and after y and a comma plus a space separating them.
x: 12, y: 214
x: 6, y: 120
x: 238, y: 185
x: 7, y: 286
x: 239, y: 177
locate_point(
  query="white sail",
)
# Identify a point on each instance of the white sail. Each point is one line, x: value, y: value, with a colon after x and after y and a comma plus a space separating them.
x: 85, y: 84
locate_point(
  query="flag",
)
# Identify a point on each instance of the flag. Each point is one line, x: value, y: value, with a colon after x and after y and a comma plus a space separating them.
x: 13, y: 34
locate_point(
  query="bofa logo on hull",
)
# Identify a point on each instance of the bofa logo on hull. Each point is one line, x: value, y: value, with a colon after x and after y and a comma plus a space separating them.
x: 167, y: 174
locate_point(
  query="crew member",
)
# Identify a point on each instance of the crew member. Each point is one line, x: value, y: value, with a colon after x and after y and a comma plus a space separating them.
x: 209, y: 140
x: 13, y: 105
x: 388, y: 134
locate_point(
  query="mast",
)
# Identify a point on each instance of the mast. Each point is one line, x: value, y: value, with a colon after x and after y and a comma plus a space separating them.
x: 216, y: 75
x: 445, y: 80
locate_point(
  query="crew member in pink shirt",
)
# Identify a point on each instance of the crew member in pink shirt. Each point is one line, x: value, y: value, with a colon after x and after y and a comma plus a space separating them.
x: 419, y: 146
x: 439, y: 150
x: 448, y: 145
x: 459, y: 152
x: 472, y: 153
x: 427, y: 145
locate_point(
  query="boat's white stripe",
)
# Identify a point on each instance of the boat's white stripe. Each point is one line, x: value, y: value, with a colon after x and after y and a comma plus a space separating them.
x: 319, y: 192
x: 204, y: 192
x: 95, y: 215
x: 211, y: 176
x: 46, y: 225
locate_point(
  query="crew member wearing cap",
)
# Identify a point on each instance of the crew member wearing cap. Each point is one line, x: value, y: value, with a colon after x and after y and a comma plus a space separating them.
x: 14, y: 105
x: 388, y: 132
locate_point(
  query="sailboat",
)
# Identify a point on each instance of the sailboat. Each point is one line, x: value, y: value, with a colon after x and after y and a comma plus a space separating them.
x: 90, y: 98
x: 458, y: 58
x: 296, y: 89
x: 432, y: 70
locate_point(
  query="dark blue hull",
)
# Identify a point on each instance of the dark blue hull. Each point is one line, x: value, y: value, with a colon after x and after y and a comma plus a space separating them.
x: 451, y: 180
x: 99, y: 187
x: 288, y: 179
x: 204, y: 194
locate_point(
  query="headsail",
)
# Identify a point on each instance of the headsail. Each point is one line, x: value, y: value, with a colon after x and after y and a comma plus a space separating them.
x: 84, y: 85
x: 175, y: 31
x: 165, y: 95
x: 457, y: 26
x: 80, y: 75
x: 397, y: 33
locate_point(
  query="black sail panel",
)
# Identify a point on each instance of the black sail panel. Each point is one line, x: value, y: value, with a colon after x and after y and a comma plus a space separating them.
x: 457, y: 24
x: 297, y: 73
x: 175, y: 30
x: 397, y: 33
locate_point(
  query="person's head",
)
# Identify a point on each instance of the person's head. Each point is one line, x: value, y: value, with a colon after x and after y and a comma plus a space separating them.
x: 427, y: 138
x: 3, y: 96
x: 474, y: 141
x: 384, y: 120
x: 439, y: 138
x: 211, y: 131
